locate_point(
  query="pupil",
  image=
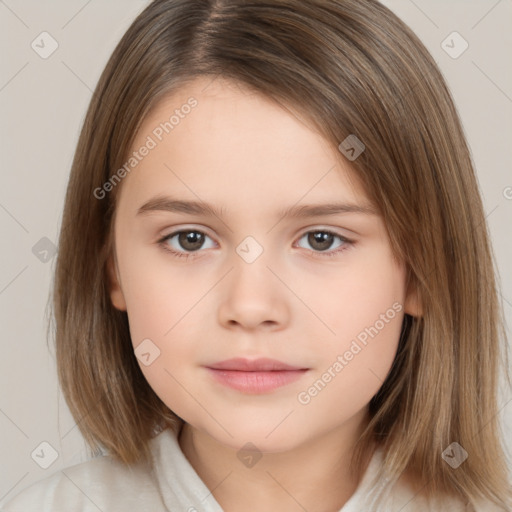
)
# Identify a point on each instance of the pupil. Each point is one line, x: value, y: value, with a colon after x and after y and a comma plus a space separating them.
x: 322, y: 240
x: 191, y: 240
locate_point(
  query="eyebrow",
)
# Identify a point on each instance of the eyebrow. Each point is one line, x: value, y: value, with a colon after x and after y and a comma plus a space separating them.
x: 168, y: 204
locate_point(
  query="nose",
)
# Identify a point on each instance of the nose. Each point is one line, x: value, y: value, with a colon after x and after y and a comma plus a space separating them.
x: 252, y: 297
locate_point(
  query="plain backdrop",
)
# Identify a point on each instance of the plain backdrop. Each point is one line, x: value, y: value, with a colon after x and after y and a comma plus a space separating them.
x: 43, y: 102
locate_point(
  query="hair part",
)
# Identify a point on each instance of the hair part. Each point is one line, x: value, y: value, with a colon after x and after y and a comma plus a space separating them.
x: 347, y: 67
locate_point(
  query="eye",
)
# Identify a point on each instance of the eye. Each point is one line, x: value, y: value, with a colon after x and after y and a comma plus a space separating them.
x: 322, y: 240
x: 185, y: 242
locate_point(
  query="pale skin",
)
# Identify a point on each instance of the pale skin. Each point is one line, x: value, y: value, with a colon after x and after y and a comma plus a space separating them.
x: 241, y: 152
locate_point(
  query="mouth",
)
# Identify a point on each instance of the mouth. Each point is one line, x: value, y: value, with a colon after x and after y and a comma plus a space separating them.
x: 255, y: 376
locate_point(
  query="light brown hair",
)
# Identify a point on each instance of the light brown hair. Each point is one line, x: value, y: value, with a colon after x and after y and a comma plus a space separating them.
x: 348, y: 67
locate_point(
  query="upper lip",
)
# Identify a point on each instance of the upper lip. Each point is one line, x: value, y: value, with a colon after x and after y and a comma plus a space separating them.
x: 254, y: 365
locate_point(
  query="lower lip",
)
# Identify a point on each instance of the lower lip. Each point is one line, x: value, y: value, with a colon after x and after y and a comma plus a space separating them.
x: 256, y: 382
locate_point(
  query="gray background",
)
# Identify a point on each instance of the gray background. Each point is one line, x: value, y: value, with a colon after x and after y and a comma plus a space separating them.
x: 42, y: 104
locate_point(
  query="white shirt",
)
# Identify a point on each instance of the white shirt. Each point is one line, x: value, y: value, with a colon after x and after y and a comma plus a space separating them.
x: 105, y: 485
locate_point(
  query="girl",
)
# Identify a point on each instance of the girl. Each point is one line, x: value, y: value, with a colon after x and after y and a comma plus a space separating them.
x: 333, y: 347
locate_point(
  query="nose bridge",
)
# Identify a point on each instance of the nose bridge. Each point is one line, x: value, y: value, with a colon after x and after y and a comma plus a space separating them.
x: 250, y: 249
x: 253, y: 294
x: 251, y: 274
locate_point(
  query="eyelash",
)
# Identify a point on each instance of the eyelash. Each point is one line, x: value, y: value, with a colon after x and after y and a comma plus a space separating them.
x: 186, y: 255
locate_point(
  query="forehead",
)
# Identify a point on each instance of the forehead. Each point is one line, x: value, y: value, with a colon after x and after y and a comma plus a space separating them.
x: 220, y: 141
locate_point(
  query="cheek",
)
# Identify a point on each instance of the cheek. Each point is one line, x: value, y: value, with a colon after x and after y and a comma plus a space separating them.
x: 164, y: 323
x: 364, y: 307
x: 366, y: 294
x: 354, y: 366
x: 165, y: 313
x: 159, y: 296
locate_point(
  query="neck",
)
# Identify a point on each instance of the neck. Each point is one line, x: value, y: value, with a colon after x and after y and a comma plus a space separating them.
x: 315, y: 475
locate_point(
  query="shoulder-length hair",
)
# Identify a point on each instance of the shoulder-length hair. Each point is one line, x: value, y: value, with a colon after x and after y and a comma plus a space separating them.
x: 349, y: 67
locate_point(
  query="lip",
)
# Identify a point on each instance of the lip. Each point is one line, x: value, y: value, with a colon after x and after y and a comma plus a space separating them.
x: 263, y: 364
x: 255, y: 376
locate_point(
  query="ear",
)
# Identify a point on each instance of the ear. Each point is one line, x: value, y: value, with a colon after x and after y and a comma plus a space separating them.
x: 413, y: 305
x: 114, y: 285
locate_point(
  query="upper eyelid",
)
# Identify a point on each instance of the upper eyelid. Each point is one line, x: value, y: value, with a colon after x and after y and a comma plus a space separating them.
x: 307, y: 229
x: 332, y: 231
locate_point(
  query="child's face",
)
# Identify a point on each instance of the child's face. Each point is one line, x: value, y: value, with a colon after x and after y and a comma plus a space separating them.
x: 337, y: 319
